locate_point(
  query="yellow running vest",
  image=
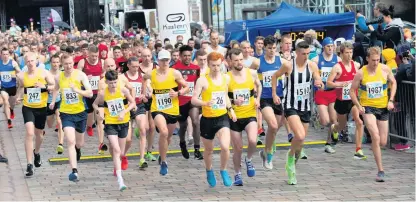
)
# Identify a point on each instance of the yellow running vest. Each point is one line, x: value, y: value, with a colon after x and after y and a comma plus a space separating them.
x: 245, y: 90
x: 113, y: 105
x: 161, y: 101
x: 217, y: 93
x: 34, y: 97
x: 72, y: 102
x: 373, y: 89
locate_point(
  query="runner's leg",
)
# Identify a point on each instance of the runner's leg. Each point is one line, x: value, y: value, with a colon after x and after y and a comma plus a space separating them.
x: 237, y: 143
x: 371, y: 124
x: 196, y: 131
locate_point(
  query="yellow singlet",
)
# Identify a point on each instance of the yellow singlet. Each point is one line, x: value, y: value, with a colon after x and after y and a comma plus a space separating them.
x: 72, y: 102
x: 113, y: 105
x: 161, y: 101
x: 373, y: 89
x: 218, y: 93
x: 34, y: 97
x: 245, y: 90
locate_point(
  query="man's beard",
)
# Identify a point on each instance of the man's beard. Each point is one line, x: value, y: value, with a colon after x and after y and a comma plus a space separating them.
x: 238, y: 68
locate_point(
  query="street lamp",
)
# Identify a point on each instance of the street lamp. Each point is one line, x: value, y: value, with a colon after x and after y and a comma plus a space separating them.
x: 31, y: 24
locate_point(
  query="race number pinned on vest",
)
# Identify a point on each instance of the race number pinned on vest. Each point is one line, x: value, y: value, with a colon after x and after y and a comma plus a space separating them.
x: 94, y: 82
x: 163, y: 101
x: 33, y: 95
x: 302, y: 91
x: 346, y: 92
x: 138, y: 87
x: 325, y: 71
x: 244, y: 93
x: 6, y: 76
x: 374, y: 89
x: 191, y: 86
x: 267, y: 79
x: 115, y: 106
x: 219, y: 100
x: 71, y: 97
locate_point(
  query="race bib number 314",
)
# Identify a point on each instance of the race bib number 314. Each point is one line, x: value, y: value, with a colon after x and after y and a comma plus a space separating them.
x: 115, y: 106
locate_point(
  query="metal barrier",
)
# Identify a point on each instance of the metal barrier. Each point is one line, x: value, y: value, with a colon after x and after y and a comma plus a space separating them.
x: 402, y: 119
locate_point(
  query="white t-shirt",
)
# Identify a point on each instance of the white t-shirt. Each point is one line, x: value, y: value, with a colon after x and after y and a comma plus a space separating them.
x: 40, y: 65
x: 220, y: 50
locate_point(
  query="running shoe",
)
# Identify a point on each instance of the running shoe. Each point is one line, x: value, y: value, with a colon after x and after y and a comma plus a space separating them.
x: 226, y: 178
x: 73, y: 177
x: 289, y: 137
x: 274, y: 147
x: 291, y: 169
x: 259, y: 142
x: 29, y: 170
x: 143, y: 164
x: 190, y: 141
x: 380, y: 176
x: 60, y: 149
x: 329, y: 149
x: 176, y: 131
x: 334, y: 134
x: 3, y: 159
x: 137, y: 133
x: 360, y: 155
x: 124, y: 163
x: 212, y: 182
x: 37, y: 162
x: 56, y: 128
x: 122, y: 186
x: 251, y: 171
x: 184, y: 150
x: 303, y: 154
x: 9, y: 124
x: 198, y: 155
x: 90, y: 131
x: 260, y: 132
x: 266, y: 165
x: 163, y: 168
x: 401, y: 147
x: 149, y: 156
x: 11, y: 114
x: 102, y: 148
x: 238, y: 180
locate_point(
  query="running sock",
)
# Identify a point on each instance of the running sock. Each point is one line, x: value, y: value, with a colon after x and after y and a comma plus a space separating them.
x: 9, y: 121
x: 358, y: 148
x: 74, y: 170
x: 248, y: 159
x: 118, y: 173
x: 61, y: 144
x: 196, y: 147
x: 327, y: 143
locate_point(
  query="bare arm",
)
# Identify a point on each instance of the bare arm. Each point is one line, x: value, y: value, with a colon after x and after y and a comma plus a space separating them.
x: 286, y: 68
x: 179, y: 79
x: 146, y: 80
x: 99, y: 100
x: 56, y: 89
x: 128, y: 85
x: 354, y: 86
x: 201, y: 84
x: 257, y: 84
x: 84, y: 80
x: 255, y: 64
x: 316, y: 75
x: 228, y: 101
x: 392, y: 81
x: 334, y: 73
x: 81, y: 64
x: 132, y: 102
x: 50, y: 80
x: 20, y: 90
x: 315, y: 59
x: 16, y: 67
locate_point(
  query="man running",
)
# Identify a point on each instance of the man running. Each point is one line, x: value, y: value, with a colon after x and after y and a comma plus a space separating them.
x: 243, y: 81
x: 296, y: 102
x: 341, y: 78
x: 215, y: 122
x: 165, y: 102
x: 190, y: 73
x: 34, y: 87
x: 117, y: 105
x: 374, y: 103
x: 201, y: 62
x: 8, y: 70
x: 325, y: 99
x: 71, y: 83
x: 259, y: 47
x: 271, y: 112
x: 50, y: 113
x: 92, y: 66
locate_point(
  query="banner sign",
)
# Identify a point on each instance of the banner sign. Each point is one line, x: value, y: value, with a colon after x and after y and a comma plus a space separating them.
x: 173, y: 19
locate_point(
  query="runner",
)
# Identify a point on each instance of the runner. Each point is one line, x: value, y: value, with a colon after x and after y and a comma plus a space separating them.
x: 92, y: 67
x: 73, y: 114
x: 165, y: 102
x: 243, y: 82
x: 190, y: 73
x: 121, y: 62
x: 50, y: 113
x: 272, y: 113
x: 375, y: 104
x: 201, y: 61
x: 325, y: 99
x: 146, y: 67
x: 139, y: 114
x: 117, y: 105
x: 8, y: 70
x: 214, y: 122
x: 259, y: 47
x: 296, y: 102
x: 341, y: 78
x: 34, y: 87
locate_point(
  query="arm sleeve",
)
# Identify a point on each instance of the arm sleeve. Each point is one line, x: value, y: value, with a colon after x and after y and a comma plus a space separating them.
x: 361, y: 24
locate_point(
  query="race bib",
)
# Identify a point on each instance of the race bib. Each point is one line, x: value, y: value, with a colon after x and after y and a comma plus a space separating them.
x: 71, y: 97
x: 302, y: 91
x: 163, y: 101
x: 374, y: 90
x: 138, y: 87
x: 244, y: 93
x: 219, y: 98
x: 6, y: 76
x: 94, y: 80
x: 191, y: 86
x: 115, y: 106
x: 346, y: 92
x: 33, y: 95
x: 267, y: 79
x: 325, y: 71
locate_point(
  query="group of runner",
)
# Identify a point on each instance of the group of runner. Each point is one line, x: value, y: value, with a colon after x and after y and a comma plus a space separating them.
x: 132, y: 91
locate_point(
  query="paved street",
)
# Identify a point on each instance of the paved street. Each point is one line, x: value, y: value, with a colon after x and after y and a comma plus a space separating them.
x: 321, y: 177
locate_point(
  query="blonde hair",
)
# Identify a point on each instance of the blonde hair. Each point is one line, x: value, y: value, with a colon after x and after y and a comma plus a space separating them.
x: 311, y: 33
x: 375, y: 50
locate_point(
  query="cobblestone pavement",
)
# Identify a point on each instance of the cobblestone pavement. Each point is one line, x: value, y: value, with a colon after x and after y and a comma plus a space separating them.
x: 321, y: 177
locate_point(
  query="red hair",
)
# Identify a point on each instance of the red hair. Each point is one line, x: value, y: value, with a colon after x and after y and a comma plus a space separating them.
x: 214, y: 56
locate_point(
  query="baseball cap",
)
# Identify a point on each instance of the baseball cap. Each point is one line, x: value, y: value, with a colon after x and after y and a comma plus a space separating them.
x: 327, y: 41
x: 163, y: 54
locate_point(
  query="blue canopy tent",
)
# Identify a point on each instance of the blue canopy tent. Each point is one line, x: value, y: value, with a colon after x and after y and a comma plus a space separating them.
x: 290, y: 19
